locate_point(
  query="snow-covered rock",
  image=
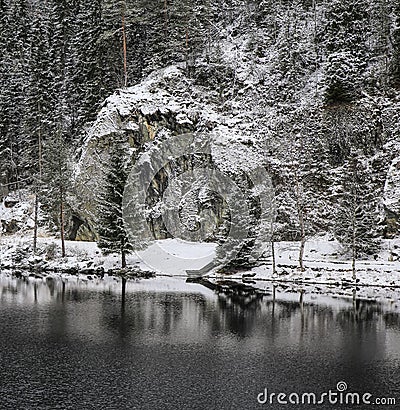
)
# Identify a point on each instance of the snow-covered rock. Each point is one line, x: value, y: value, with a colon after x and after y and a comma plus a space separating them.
x: 392, y: 188
x: 16, y: 212
x: 166, y: 103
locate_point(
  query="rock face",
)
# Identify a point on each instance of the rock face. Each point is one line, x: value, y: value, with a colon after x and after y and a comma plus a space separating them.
x: 134, y: 117
x: 16, y: 213
x: 244, y: 129
x: 392, y: 197
x: 165, y: 104
x: 392, y: 188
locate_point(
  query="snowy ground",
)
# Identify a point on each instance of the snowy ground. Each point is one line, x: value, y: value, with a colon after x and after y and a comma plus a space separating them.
x: 327, y: 268
x: 169, y: 257
x: 323, y: 259
x: 325, y: 264
x: 327, y: 273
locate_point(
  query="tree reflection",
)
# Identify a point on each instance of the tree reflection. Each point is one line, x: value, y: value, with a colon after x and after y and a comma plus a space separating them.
x: 279, y: 314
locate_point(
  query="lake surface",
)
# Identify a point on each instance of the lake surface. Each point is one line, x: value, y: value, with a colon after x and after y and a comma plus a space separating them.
x: 175, y: 345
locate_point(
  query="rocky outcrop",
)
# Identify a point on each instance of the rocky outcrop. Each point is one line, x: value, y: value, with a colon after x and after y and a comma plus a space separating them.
x: 165, y: 104
x: 392, y: 188
x: 16, y: 212
x: 392, y: 198
x: 134, y: 117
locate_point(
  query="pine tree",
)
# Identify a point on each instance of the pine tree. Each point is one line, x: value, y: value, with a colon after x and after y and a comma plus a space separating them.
x: 395, y: 61
x: 344, y: 41
x: 303, y: 206
x: 356, y: 222
x: 380, y: 45
x: 14, y: 63
x: 294, y: 56
x: 111, y: 230
x: 113, y: 46
x: 4, y: 115
x: 246, y: 223
x: 38, y: 123
x: 60, y: 36
x: 56, y: 181
x: 85, y: 68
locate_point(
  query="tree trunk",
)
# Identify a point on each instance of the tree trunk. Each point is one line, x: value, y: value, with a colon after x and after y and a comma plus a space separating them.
x: 62, y: 229
x: 37, y: 185
x: 187, y: 50
x: 123, y: 259
x: 273, y: 256
x: 353, y: 266
x: 299, y: 205
x: 301, y: 253
x: 124, y: 51
x: 35, y: 227
x: 302, y: 238
x: 165, y: 18
x: 353, y: 250
x: 14, y: 167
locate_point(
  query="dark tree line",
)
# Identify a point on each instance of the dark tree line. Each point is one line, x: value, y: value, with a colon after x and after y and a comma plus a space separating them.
x: 60, y: 60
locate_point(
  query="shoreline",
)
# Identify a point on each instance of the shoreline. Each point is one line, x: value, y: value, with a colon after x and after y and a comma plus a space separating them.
x: 58, y: 272
x: 323, y: 265
x: 243, y: 292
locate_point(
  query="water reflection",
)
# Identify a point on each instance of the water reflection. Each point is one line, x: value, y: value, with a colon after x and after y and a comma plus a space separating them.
x: 191, y: 312
x: 229, y: 342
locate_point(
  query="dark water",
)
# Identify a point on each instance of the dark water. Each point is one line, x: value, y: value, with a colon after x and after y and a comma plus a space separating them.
x: 180, y: 346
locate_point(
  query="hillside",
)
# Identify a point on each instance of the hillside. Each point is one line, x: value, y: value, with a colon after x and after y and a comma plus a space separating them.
x: 307, y: 92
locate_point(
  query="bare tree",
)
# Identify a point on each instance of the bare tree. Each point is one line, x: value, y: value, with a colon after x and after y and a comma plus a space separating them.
x: 357, y: 217
x: 56, y: 179
x: 37, y: 183
x: 124, y: 45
